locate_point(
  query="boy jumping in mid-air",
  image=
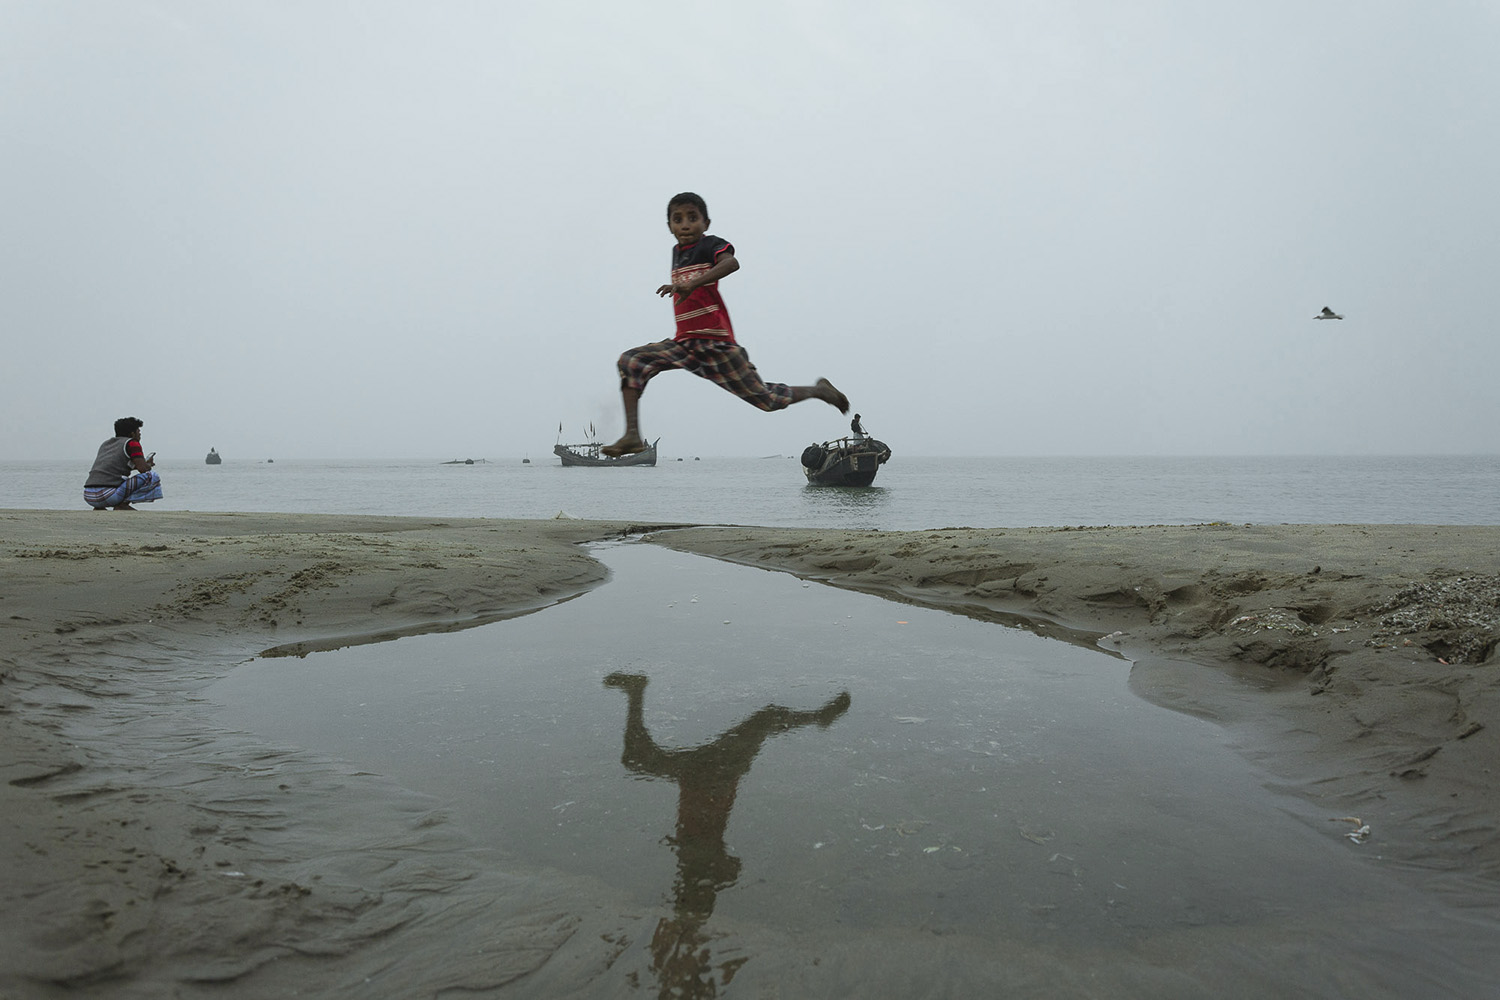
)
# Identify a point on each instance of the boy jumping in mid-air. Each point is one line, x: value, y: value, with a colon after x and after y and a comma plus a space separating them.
x: 704, y: 344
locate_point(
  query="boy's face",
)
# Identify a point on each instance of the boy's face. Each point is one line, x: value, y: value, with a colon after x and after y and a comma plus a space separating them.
x: 686, y: 223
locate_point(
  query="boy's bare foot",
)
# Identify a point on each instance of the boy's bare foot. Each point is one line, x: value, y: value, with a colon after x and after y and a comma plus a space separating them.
x: 828, y: 394
x: 123, y: 506
x: 630, y: 444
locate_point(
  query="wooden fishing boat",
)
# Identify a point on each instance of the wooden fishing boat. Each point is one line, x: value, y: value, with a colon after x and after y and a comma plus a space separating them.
x: 588, y: 454
x: 846, y: 461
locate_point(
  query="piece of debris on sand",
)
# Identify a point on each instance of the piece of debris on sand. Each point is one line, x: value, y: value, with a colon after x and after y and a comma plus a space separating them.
x: 1455, y: 618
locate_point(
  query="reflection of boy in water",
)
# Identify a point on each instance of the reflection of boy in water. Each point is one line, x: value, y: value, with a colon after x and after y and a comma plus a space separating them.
x: 707, y: 779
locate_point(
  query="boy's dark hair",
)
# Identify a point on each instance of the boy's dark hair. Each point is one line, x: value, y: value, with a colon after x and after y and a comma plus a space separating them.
x: 126, y: 426
x: 689, y: 198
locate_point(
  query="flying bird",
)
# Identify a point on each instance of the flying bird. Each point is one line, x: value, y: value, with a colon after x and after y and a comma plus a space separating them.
x: 1327, y: 313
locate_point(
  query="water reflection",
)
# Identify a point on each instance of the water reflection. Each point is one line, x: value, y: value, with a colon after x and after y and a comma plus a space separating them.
x: 854, y: 506
x: 707, y: 778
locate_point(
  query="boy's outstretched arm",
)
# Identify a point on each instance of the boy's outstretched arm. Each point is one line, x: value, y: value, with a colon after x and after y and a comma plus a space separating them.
x: 723, y: 267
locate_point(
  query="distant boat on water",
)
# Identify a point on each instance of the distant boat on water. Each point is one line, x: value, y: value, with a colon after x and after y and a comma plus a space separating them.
x: 588, y: 454
x: 213, y: 458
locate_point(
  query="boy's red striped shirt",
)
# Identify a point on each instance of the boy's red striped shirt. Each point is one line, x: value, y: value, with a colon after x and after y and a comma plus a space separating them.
x: 701, y: 314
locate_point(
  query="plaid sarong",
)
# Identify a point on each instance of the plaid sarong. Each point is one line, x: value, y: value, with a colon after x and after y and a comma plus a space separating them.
x: 140, y: 488
x: 719, y: 361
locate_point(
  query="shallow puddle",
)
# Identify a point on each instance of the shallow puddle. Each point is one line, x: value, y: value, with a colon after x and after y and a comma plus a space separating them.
x: 816, y: 792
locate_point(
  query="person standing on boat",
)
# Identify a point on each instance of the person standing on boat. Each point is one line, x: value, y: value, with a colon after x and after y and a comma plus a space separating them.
x: 704, y: 343
x: 112, y: 482
x: 857, y: 428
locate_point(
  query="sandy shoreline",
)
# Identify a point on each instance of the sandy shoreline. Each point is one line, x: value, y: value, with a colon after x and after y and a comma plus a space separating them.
x: 141, y: 856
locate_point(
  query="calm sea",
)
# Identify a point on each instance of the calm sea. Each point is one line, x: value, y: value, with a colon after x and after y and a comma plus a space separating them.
x: 910, y: 493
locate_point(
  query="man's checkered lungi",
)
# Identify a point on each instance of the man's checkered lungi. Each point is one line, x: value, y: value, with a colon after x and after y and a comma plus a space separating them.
x: 716, y: 360
x: 135, y: 489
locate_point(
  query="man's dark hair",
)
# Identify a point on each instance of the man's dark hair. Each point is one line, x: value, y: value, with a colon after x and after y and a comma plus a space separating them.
x: 126, y: 426
x: 689, y: 198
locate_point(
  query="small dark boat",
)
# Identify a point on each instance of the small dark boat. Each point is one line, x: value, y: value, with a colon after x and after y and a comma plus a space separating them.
x: 847, y: 461
x: 588, y: 454
x: 213, y: 458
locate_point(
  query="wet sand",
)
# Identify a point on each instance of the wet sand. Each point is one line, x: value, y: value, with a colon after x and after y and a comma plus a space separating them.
x: 144, y: 855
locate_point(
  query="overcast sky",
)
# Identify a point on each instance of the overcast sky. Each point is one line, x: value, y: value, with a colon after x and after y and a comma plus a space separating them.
x: 427, y: 229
